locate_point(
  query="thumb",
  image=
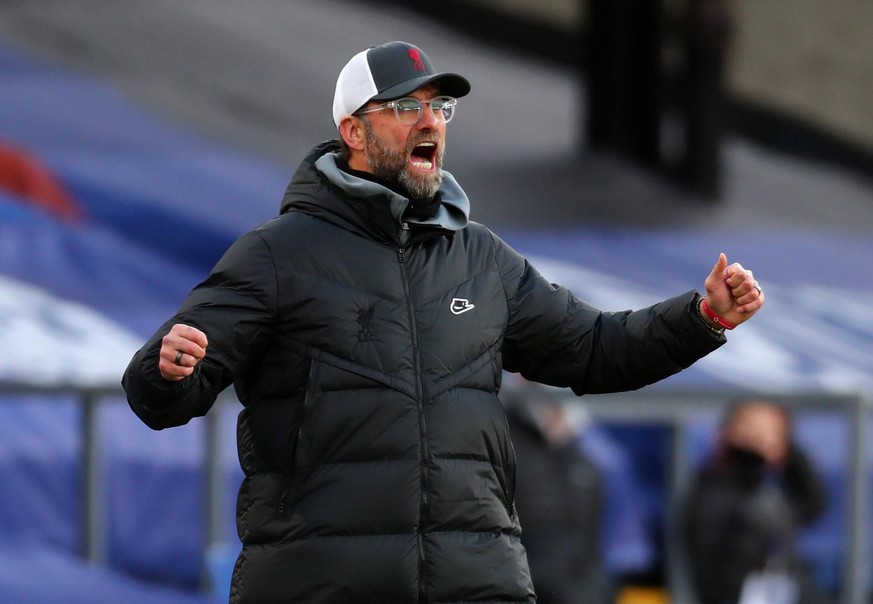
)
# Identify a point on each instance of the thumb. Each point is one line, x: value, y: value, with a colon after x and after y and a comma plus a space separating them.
x: 720, y: 266
x: 716, y: 276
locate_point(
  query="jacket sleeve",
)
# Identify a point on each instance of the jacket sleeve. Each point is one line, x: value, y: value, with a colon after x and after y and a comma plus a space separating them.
x: 236, y: 308
x: 556, y: 338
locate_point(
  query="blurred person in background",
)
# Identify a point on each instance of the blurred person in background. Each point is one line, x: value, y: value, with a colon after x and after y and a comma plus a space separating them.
x: 365, y: 330
x: 745, y: 509
x: 560, y: 497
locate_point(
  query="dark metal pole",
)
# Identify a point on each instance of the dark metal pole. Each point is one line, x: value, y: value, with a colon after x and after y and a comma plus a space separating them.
x: 91, y: 481
x: 856, y: 570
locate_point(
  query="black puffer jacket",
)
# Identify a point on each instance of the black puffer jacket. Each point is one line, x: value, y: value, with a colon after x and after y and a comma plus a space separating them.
x: 368, y: 354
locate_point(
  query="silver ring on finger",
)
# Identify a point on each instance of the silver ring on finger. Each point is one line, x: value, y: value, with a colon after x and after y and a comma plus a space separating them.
x: 178, y: 357
x: 758, y: 287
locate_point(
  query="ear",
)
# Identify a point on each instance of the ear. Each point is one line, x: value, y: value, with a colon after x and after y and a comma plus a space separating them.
x: 352, y: 132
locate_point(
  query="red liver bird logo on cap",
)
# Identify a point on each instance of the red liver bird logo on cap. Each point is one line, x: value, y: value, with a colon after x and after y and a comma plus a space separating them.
x: 416, y: 60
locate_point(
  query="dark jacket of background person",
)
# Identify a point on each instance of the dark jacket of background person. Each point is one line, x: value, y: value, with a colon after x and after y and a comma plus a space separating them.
x: 378, y: 464
x: 560, y: 498
x: 743, y: 515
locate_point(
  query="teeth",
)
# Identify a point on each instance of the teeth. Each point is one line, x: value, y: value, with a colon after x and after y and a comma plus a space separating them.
x: 420, y: 162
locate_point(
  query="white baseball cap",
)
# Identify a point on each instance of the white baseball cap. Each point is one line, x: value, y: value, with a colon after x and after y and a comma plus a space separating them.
x: 386, y: 72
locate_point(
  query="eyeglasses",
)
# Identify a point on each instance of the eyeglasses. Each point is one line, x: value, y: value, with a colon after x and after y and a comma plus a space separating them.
x: 408, y: 110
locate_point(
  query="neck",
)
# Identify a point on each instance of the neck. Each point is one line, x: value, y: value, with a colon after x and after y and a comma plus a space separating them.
x: 357, y: 162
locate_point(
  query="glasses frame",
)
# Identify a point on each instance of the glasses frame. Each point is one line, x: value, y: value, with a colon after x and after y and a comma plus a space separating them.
x: 444, y: 101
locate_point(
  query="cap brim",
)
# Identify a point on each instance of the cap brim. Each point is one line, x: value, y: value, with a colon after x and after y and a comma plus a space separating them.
x: 450, y: 84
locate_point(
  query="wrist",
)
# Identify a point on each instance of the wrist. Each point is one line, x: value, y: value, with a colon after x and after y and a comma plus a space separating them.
x: 709, y: 323
x: 712, y: 318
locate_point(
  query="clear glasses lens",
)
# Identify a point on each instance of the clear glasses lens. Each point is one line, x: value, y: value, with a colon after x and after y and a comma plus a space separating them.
x: 443, y: 107
x: 408, y: 110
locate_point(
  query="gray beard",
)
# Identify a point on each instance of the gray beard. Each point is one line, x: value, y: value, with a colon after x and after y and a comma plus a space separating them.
x: 392, y: 167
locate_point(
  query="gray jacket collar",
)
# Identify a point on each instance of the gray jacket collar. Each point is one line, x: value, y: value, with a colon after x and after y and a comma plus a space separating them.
x: 453, y: 213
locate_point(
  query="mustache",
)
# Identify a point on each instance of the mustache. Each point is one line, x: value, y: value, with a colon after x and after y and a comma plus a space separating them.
x: 423, y: 138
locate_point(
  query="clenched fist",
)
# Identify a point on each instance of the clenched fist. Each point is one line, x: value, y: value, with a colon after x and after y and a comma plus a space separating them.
x: 181, y: 349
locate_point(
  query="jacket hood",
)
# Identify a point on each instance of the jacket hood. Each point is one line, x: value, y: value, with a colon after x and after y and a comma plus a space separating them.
x: 320, y: 188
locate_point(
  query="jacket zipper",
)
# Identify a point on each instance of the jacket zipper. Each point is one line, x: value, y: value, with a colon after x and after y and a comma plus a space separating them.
x: 422, y: 427
x: 299, y: 465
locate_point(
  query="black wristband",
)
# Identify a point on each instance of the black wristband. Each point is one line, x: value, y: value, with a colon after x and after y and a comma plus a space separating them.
x: 715, y: 330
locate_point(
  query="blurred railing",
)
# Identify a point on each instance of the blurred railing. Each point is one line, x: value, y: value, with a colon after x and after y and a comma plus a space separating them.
x: 670, y: 408
x: 92, y: 488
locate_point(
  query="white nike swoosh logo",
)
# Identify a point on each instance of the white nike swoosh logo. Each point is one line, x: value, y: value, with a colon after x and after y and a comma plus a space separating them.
x: 461, y: 305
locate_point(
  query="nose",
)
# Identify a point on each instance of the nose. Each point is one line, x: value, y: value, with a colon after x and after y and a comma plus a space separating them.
x: 427, y: 120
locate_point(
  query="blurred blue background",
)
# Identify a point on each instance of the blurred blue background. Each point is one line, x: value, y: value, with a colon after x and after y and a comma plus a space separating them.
x: 138, y: 139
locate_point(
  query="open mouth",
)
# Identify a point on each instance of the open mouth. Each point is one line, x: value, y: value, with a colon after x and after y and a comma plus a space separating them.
x: 423, y: 156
